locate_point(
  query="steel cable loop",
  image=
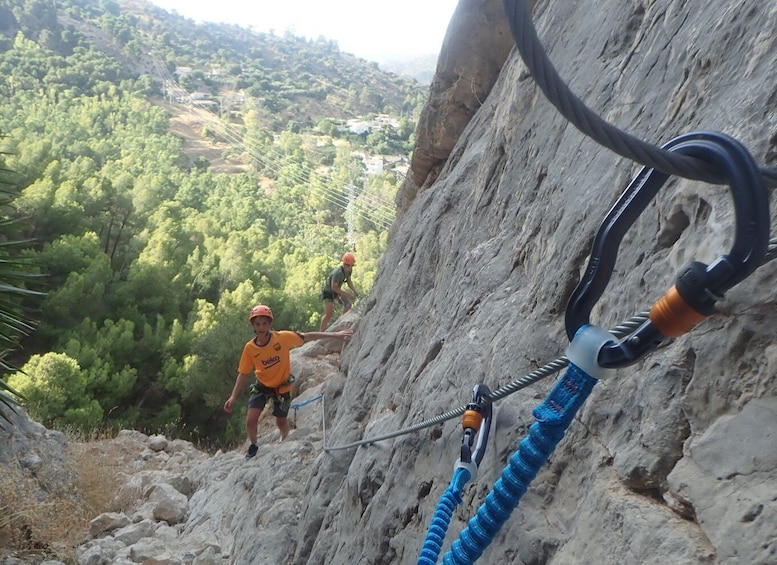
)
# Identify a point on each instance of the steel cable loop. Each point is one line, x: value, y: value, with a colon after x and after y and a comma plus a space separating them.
x: 590, y: 123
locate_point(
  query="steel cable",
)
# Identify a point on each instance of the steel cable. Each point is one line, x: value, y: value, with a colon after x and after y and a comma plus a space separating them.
x: 621, y: 330
x: 553, y: 367
x: 591, y: 124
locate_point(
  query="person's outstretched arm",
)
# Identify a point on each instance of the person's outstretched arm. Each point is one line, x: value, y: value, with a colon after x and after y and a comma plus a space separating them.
x: 343, y: 335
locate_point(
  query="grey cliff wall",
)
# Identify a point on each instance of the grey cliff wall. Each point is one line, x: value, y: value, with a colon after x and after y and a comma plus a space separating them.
x: 672, y: 461
x: 476, y: 46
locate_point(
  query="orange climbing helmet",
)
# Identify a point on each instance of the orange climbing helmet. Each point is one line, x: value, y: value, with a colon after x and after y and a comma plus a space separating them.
x: 260, y: 310
x: 349, y: 259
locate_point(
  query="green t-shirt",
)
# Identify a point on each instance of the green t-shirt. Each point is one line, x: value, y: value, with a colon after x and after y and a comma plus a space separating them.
x: 337, y: 276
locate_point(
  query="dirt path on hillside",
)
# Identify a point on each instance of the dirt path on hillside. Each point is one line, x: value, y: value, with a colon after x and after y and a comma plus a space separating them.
x: 189, y: 126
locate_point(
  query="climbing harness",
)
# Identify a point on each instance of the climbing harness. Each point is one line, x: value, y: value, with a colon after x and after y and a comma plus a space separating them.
x: 256, y: 387
x: 477, y: 425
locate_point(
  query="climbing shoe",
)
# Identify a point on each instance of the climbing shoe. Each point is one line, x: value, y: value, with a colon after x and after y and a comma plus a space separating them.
x: 252, y: 449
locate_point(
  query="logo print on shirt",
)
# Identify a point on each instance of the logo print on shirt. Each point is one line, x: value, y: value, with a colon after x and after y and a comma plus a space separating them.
x: 277, y: 347
x: 271, y: 361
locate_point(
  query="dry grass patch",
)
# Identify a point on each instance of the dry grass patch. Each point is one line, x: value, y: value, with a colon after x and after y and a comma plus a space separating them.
x: 34, y: 522
x: 48, y: 517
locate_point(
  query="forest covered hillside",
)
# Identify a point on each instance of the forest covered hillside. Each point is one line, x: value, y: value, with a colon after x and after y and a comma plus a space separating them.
x: 168, y: 176
x: 285, y: 77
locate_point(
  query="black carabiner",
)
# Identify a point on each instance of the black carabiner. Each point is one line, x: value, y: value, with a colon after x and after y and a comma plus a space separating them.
x: 477, y: 425
x: 698, y: 286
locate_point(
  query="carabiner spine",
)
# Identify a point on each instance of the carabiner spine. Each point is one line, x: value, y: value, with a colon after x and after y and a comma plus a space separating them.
x: 476, y: 423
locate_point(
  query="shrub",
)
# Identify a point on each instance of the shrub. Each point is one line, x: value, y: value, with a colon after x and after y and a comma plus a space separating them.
x: 55, y: 390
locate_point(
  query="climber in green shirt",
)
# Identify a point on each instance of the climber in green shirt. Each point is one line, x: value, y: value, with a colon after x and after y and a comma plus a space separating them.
x: 333, y: 289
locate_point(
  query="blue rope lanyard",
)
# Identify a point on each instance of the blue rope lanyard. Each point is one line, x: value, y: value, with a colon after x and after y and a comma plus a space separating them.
x: 298, y: 405
x: 553, y: 418
x: 442, y: 517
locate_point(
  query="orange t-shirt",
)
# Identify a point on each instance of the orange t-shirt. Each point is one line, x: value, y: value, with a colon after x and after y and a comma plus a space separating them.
x: 271, y: 362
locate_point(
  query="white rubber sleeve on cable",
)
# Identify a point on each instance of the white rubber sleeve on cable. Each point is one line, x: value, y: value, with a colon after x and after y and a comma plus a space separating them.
x: 473, y: 469
x: 583, y: 352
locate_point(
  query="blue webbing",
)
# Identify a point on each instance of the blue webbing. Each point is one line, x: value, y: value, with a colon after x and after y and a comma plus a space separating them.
x: 301, y: 404
x: 553, y: 418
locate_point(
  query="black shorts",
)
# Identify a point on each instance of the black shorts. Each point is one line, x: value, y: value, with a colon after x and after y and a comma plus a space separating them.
x: 329, y: 295
x: 260, y: 394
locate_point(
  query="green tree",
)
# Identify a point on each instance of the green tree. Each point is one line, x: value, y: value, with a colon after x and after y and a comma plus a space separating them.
x: 79, y: 276
x: 55, y: 390
x: 150, y: 260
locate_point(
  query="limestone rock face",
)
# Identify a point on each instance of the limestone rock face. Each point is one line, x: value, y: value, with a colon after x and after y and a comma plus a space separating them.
x: 475, y: 48
x: 26, y: 445
x: 670, y: 461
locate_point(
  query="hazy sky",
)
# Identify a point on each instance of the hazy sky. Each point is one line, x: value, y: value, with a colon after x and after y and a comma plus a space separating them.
x: 369, y: 29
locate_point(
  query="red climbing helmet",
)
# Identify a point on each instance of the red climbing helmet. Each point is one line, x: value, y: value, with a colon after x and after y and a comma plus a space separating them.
x: 349, y: 259
x: 260, y: 310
